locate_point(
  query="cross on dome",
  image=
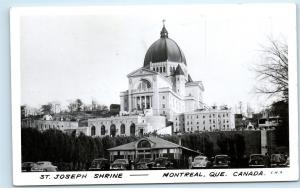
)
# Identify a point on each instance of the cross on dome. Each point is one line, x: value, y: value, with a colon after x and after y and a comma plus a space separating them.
x: 164, y: 32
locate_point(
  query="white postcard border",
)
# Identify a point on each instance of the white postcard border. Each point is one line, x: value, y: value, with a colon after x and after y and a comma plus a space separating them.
x: 128, y: 177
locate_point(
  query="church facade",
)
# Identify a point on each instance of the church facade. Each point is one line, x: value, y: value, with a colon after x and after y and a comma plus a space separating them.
x: 159, y: 94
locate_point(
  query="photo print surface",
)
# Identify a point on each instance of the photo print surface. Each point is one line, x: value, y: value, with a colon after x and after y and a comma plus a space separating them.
x: 119, y: 95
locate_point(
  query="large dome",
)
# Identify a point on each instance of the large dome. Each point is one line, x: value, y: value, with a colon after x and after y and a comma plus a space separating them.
x: 164, y: 49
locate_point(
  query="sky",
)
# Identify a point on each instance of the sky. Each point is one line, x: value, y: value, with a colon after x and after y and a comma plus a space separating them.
x: 70, y: 53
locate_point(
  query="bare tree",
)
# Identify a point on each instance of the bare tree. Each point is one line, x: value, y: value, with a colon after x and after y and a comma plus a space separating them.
x: 273, y: 72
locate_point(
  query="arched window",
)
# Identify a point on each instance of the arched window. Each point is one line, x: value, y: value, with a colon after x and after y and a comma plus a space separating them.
x: 113, y: 130
x: 144, y: 85
x: 164, y: 69
x: 132, y: 129
x: 102, y: 130
x: 93, y: 131
x: 144, y: 144
x: 122, y: 129
x: 160, y: 69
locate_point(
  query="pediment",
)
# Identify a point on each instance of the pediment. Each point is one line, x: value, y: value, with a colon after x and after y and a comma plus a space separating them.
x: 142, y: 72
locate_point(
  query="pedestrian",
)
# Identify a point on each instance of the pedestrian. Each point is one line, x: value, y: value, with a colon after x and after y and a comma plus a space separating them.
x: 190, y: 160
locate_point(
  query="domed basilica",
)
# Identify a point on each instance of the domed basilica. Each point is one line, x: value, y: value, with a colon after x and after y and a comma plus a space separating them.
x: 160, y: 94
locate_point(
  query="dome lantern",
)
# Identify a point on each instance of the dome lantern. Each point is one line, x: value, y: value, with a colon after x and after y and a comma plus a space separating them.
x: 164, y: 32
x: 164, y: 49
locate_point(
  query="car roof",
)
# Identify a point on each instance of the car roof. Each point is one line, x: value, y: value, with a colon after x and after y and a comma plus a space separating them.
x: 101, y: 159
x: 221, y: 155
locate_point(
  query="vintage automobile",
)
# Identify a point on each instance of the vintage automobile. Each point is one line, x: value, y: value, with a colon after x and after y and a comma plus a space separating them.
x: 287, y: 162
x: 278, y: 160
x: 163, y: 163
x: 120, y: 164
x: 143, y: 164
x: 99, y: 164
x: 221, y: 161
x: 27, y: 166
x: 201, y: 162
x: 44, y: 166
x: 258, y: 161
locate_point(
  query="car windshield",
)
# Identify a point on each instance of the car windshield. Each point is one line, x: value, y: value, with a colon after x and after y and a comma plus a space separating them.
x: 144, y: 160
x: 160, y: 159
x: 27, y: 164
x: 257, y: 157
x: 123, y: 161
x: 198, y: 159
x: 221, y: 158
x: 278, y: 158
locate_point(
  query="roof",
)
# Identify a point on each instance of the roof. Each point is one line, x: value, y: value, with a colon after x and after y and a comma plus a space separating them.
x: 164, y: 49
x: 190, y: 78
x: 159, y: 143
x: 178, y: 70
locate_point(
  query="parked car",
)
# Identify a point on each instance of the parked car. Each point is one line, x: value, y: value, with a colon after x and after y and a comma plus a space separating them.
x: 201, y: 162
x: 27, y: 166
x: 278, y: 160
x: 258, y: 161
x: 44, y: 166
x: 143, y: 164
x: 99, y: 164
x: 120, y: 164
x: 287, y: 162
x: 221, y: 161
x: 163, y: 163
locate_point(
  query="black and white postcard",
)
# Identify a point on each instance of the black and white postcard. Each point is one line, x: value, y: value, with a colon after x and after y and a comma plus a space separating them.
x: 142, y: 94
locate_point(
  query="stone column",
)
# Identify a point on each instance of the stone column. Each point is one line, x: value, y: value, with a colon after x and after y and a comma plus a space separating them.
x: 141, y: 102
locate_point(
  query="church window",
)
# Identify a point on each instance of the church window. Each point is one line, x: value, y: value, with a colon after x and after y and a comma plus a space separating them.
x: 163, y: 97
x: 144, y: 85
x: 93, y: 131
x: 153, y: 69
x: 163, y: 105
x: 160, y: 69
x: 144, y: 144
x: 102, y: 130
x: 156, y: 69
x: 164, y: 69
x: 122, y: 129
x: 132, y: 129
x: 223, y: 115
